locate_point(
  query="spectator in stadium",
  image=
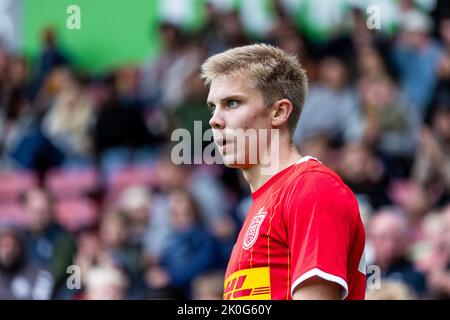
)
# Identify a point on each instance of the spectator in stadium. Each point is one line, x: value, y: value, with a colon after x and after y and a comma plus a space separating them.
x: 208, y: 286
x: 50, y: 57
x: 364, y: 173
x: 190, y: 242
x: 416, y: 202
x: 444, y: 32
x: 115, y: 239
x: 118, y: 131
x: 192, y: 112
x: 203, y: 182
x: 68, y: 123
x: 371, y: 64
x: 46, y: 241
x: 209, y: 193
x: 222, y: 29
x: 332, y: 95
x: 89, y: 250
x: 19, y: 75
x: 389, y: 236
x: 136, y: 204
x: 105, y: 283
x: 435, y: 261
x: 287, y: 37
x: 127, y: 83
x: 156, y: 75
x: 391, y: 123
x: 4, y: 63
x: 25, y: 144
x: 432, y: 158
x: 417, y: 56
x: 107, y: 248
x: 20, y: 277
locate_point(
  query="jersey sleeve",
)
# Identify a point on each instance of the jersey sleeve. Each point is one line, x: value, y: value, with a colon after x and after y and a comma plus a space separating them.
x: 320, y: 217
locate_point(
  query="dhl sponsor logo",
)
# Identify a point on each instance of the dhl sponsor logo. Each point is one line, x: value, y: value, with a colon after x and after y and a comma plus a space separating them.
x: 248, y: 284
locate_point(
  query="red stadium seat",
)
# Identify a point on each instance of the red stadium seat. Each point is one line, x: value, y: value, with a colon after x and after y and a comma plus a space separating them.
x: 72, y: 183
x: 75, y: 214
x: 15, y: 183
x: 129, y: 176
x: 12, y: 213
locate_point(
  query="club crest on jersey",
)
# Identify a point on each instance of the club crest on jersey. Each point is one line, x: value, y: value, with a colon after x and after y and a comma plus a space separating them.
x: 253, y: 230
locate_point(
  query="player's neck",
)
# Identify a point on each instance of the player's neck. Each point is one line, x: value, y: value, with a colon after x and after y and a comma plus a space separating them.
x: 259, y: 174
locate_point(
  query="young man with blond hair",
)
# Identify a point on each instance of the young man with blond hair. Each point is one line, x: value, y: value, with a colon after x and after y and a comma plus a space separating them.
x: 303, y: 237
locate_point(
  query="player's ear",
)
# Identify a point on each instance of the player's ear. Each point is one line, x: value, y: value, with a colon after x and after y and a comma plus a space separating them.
x: 281, y: 110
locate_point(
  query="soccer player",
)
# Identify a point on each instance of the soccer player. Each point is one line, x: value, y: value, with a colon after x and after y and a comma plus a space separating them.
x: 303, y: 237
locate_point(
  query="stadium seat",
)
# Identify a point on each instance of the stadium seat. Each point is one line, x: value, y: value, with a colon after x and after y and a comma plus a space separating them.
x: 12, y: 213
x: 65, y: 183
x: 132, y: 175
x: 14, y: 183
x: 76, y: 213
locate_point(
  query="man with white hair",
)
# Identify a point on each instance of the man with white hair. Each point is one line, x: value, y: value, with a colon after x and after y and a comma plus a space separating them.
x: 105, y: 283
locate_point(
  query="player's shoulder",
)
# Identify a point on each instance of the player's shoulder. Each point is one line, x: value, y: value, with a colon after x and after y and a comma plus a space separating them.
x: 312, y: 182
x: 311, y: 175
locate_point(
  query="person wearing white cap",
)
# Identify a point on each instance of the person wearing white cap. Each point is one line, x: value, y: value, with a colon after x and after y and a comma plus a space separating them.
x: 417, y: 56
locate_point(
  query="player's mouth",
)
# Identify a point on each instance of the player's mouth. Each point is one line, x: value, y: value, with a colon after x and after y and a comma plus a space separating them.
x: 223, y: 144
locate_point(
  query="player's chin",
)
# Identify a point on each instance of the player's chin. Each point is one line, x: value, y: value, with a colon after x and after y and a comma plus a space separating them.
x: 230, y: 161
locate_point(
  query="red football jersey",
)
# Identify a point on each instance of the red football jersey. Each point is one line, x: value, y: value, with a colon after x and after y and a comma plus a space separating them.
x: 303, y: 222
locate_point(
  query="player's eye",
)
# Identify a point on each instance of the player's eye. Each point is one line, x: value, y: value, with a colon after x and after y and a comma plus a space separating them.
x: 232, y: 104
x: 211, y: 108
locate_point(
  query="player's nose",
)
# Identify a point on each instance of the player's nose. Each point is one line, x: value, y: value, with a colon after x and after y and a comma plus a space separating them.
x: 217, y: 121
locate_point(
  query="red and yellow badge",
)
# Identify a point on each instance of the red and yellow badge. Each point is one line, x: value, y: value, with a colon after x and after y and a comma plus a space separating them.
x: 253, y: 230
x: 248, y: 284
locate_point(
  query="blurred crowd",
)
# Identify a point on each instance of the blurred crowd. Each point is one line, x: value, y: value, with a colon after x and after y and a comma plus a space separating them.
x: 87, y: 180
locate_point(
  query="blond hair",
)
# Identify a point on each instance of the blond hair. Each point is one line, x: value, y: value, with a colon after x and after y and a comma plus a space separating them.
x: 277, y: 74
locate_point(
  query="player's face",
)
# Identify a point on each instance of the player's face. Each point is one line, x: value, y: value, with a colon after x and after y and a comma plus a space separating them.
x: 238, y: 113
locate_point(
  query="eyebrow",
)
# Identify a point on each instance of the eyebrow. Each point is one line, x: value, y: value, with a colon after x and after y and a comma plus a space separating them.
x: 228, y: 98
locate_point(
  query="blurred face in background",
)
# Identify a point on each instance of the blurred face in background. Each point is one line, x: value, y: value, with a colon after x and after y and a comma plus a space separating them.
x: 415, y: 40
x: 208, y: 287
x: 105, y: 283
x: 317, y: 146
x: 441, y: 123
x: 358, y: 165
x: 377, y: 92
x: 333, y: 73
x: 444, y: 68
x: 113, y: 230
x: 18, y: 71
x: 39, y: 211
x: 57, y: 79
x: 69, y: 95
x: 230, y: 26
x: 413, y: 199
x: 445, y: 30
x: 370, y: 63
x: 291, y: 42
x: 388, y: 234
x: 10, y: 249
x: 4, y: 61
x: 183, y: 213
x: 170, y: 36
x: 126, y: 81
x: 444, y: 233
x: 354, y: 162
x: 136, y: 202
x: 168, y: 175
